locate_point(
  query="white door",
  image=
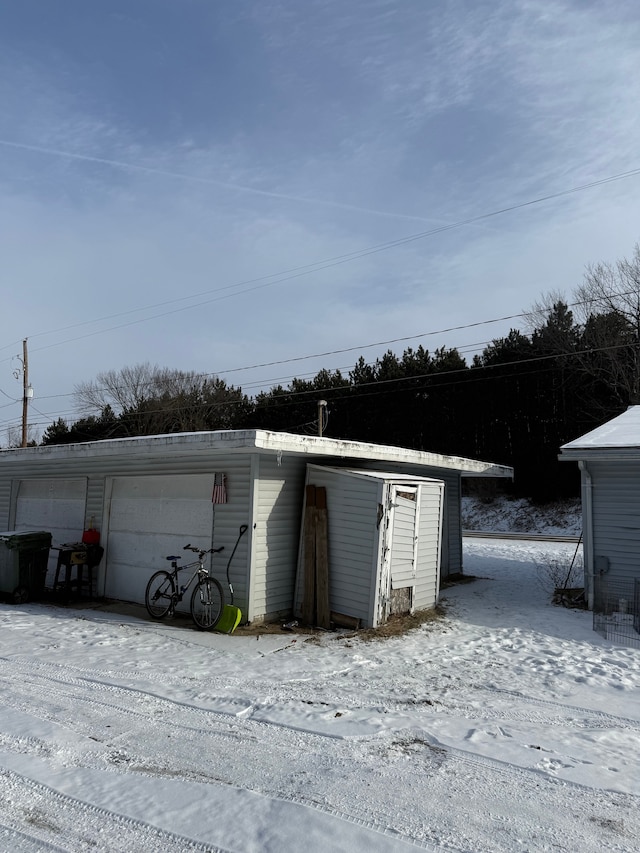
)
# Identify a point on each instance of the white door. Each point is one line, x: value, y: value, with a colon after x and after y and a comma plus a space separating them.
x: 150, y: 518
x: 57, y: 506
x: 404, y: 537
x: 397, y: 569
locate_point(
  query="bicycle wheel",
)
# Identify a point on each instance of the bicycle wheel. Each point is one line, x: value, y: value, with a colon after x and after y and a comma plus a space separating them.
x: 207, y: 601
x: 159, y: 596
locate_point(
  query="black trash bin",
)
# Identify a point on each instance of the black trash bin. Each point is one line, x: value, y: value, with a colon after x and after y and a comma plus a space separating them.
x: 24, y: 555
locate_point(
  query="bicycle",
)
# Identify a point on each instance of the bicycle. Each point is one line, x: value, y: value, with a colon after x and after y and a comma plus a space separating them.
x: 207, y: 599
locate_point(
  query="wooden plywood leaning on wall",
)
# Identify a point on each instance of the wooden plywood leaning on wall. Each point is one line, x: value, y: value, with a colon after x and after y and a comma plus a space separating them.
x: 315, y: 605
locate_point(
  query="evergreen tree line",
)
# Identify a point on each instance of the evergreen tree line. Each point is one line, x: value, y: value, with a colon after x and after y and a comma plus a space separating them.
x: 516, y: 403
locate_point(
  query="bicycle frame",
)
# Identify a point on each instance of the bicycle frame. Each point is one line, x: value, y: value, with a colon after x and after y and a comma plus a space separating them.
x: 164, y: 590
x: 176, y: 569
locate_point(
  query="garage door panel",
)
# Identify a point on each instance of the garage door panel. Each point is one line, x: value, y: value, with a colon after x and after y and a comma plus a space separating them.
x: 149, y: 518
x: 54, y: 505
x: 188, y: 487
x: 184, y: 517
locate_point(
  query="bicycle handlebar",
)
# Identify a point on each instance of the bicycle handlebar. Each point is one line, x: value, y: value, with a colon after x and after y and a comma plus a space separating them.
x: 202, y: 550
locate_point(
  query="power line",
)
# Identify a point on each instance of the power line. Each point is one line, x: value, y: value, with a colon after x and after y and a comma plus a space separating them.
x: 387, y: 342
x: 380, y: 382
x: 307, y: 269
x: 354, y: 393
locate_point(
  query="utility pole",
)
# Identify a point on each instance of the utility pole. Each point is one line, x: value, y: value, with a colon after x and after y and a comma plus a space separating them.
x: 27, y: 391
x: 322, y: 405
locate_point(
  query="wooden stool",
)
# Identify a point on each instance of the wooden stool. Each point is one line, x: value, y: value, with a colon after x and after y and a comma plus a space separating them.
x: 76, y: 557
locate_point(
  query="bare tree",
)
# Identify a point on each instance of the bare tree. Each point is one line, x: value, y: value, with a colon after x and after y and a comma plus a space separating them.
x: 609, y: 305
x: 121, y: 389
x: 539, y: 312
x: 149, y: 400
x: 600, y: 334
x: 14, y: 436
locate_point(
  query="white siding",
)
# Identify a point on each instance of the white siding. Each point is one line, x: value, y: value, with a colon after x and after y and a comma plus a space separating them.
x: 279, y: 486
x: 451, y: 548
x: 616, y: 518
x: 352, y: 504
x: 6, y: 521
x: 95, y: 502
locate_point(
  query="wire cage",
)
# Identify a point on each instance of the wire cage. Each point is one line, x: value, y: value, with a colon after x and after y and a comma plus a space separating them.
x: 616, y: 611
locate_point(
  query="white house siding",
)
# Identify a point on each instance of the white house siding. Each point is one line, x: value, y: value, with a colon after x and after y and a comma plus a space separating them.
x: 353, y: 545
x: 6, y: 522
x: 616, y: 519
x: 353, y: 542
x: 429, y: 543
x: 451, y: 546
x: 279, y: 490
x: 95, y: 502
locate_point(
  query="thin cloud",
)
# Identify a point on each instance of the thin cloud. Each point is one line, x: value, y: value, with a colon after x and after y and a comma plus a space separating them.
x: 369, y: 115
x: 201, y: 179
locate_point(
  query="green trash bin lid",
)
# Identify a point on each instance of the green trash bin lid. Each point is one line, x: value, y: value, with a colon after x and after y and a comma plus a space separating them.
x: 25, y: 540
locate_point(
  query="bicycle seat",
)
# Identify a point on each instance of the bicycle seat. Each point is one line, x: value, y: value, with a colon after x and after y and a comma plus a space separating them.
x: 178, y: 557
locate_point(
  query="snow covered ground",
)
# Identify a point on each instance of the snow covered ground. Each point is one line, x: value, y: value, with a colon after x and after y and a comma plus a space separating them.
x: 506, y: 725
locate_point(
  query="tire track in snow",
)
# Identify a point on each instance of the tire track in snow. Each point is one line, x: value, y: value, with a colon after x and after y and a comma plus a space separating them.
x: 282, y: 762
x: 257, y: 736
x: 535, y: 711
x: 60, y: 819
x: 151, y: 705
x: 577, y: 817
x: 593, y: 718
x: 20, y: 842
x: 281, y: 749
x: 56, y: 688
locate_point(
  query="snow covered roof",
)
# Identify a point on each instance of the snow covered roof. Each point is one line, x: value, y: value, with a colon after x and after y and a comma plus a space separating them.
x: 257, y: 440
x: 621, y: 435
x: 387, y: 476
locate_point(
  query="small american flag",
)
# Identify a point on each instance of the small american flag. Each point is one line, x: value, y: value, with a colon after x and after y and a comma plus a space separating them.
x: 219, y: 495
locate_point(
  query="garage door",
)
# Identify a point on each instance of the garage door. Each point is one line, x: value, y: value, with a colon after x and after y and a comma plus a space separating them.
x: 149, y: 518
x: 54, y: 505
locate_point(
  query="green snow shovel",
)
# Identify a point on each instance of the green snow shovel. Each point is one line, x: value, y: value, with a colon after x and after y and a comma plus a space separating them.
x: 231, y: 615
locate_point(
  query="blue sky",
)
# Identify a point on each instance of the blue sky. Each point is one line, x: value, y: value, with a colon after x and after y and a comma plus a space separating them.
x: 163, y: 163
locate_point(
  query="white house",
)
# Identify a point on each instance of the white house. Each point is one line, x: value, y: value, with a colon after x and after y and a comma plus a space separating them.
x: 151, y: 495
x: 609, y: 460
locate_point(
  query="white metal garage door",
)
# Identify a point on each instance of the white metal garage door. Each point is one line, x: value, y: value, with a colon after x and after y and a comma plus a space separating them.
x: 54, y: 505
x: 151, y: 517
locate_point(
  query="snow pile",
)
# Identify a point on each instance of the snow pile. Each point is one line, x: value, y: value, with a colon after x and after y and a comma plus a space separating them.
x: 519, y: 515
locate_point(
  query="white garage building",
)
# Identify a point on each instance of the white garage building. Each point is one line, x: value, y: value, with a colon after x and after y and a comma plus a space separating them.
x: 151, y: 495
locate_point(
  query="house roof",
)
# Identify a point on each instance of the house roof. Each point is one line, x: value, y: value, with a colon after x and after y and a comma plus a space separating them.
x: 386, y: 476
x: 265, y: 441
x: 617, y: 438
